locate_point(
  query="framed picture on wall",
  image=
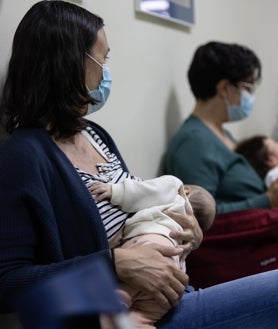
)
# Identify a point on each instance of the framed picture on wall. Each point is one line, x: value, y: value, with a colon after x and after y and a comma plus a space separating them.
x: 178, y: 11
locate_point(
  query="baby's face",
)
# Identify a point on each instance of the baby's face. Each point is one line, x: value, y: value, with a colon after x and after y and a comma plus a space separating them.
x: 272, y: 148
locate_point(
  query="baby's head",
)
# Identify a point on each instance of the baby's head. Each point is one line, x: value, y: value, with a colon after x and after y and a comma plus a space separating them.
x: 203, y: 205
x: 261, y: 152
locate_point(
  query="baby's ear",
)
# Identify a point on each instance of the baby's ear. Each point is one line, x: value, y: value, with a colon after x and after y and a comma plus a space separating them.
x: 187, y: 189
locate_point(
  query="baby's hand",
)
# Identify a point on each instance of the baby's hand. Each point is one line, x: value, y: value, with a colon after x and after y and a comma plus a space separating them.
x: 101, y: 190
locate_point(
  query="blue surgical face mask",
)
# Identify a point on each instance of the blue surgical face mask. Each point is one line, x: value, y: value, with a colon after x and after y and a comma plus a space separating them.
x: 243, y: 110
x: 102, y: 93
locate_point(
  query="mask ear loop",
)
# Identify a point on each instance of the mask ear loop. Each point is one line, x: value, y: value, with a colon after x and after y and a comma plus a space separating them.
x: 97, y: 62
x: 226, y: 100
x: 93, y: 59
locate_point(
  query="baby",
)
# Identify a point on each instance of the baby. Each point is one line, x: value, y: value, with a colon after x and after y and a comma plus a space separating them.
x: 146, y: 202
x: 262, y: 153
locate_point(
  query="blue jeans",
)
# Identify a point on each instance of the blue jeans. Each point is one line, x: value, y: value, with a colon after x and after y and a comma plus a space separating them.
x: 246, y: 303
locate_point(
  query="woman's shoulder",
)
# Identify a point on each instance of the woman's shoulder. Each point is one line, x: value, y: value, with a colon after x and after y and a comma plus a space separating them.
x: 27, y: 148
x: 21, y: 140
x: 194, y: 132
x: 194, y: 128
x: 27, y: 140
x: 22, y: 156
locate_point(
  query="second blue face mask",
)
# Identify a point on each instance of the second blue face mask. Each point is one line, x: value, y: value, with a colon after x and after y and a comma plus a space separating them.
x: 243, y: 110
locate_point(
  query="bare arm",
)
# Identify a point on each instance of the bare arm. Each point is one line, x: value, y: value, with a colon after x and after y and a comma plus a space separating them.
x: 272, y: 194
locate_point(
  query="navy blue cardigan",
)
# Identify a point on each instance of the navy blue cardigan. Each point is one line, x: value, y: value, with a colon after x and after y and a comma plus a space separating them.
x: 48, y: 220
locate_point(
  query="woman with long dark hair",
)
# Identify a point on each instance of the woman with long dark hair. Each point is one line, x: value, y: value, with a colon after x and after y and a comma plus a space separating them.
x: 48, y: 219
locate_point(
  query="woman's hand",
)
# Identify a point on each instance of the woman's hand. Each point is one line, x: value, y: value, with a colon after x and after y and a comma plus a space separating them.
x: 272, y: 194
x: 192, y: 234
x: 146, y: 269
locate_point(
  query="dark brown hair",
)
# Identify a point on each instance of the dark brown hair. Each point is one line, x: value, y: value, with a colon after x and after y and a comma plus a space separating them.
x: 256, y: 153
x: 215, y: 61
x: 45, y: 84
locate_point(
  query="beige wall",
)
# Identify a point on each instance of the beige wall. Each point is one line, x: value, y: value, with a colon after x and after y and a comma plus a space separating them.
x: 150, y: 96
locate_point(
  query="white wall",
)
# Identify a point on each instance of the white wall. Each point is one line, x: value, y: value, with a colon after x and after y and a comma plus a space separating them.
x: 149, y: 57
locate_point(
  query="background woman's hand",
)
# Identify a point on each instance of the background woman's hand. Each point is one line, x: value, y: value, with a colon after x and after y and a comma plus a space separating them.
x: 147, y: 269
x: 272, y: 194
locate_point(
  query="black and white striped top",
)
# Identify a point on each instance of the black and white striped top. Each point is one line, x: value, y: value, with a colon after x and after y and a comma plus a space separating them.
x: 111, y: 171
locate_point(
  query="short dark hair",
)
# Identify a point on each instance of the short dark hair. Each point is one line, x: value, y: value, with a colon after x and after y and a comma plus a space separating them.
x: 45, y: 84
x: 215, y: 61
x: 256, y: 153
